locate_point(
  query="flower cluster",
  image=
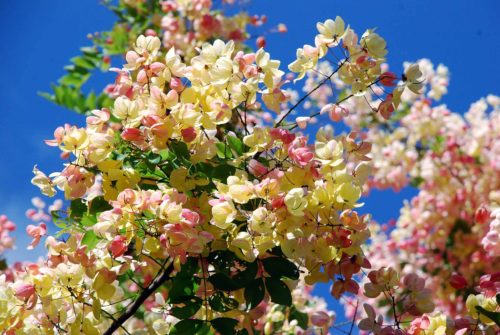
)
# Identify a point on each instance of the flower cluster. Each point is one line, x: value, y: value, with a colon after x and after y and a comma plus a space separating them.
x: 185, y: 204
x: 442, y: 234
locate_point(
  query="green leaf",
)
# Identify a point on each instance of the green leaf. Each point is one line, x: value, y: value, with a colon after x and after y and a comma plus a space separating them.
x: 222, y: 303
x: 493, y: 316
x: 184, y: 284
x: 74, y: 79
x: 180, y: 149
x: 225, y: 326
x: 188, y: 308
x: 88, y: 220
x: 254, y: 293
x: 279, y: 292
x: 222, y: 282
x: 246, y: 276
x: 99, y: 205
x: 417, y: 181
x: 235, y: 144
x: 47, y: 96
x: 190, y: 326
x: 301, y: 318
x: 90, y: 239
x: 89, y: 50
x: 84, y: 62
x: 222, y: 260
x: 91, y: 101
x: 3, y: 264
x: 223, y: 150
x: 77, y: 209
x: 154, y: 158
x: 280, y: 267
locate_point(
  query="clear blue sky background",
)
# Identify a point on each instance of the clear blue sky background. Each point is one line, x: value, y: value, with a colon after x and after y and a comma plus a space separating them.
x: 38, y: 37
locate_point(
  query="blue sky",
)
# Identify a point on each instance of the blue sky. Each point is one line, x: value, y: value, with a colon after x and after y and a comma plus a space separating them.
x: 39, y: 37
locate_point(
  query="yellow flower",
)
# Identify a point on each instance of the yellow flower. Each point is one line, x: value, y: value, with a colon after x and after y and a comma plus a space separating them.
x: 307, y: 58
x: 147, y: 44
x: 414, y: 78
x: 488, y: 304
x: 330, y: 153
x: 127, y: 111
x: 374, y: 44
x: 258, y: 140
x: 331, y: 32
x: 348, y: 192
x: 115, y: 178
x: 221, y: 72
x: 74, y: 139
x: 295, y: 201
x: 223, y: 214
x: 261, y: 221
x: 269, y: 67
x: 43, y: 182
x: 240, y: 189
x: 174, y: 65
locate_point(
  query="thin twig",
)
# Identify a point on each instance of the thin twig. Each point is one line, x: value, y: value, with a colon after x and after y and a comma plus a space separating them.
x: 140, y: 300
x: 278, y: 123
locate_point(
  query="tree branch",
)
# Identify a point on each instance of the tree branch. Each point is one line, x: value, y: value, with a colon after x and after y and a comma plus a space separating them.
x: 278, y: 123
x: 140, y: 300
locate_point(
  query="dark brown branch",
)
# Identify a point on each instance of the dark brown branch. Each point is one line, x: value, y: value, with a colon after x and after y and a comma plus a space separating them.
x: 140, y: 300
x: 278, y: 123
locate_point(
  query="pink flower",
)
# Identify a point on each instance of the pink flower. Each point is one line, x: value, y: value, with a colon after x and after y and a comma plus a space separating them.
x: 282, y: 134
x: 340, y: 286
x: 190, y: 217
x: 301, y: 156
x: 371, y: 323
x: 320, y: 319
x: 36, y: 232
x: 386, y: 107
x: 335, y: 112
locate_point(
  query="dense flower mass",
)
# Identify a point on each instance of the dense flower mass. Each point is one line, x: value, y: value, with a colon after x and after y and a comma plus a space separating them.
x: 195, y: 205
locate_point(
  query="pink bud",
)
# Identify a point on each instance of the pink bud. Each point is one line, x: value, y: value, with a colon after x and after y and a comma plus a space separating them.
x: 337, y: 113
x: 457, y: 281
x: 388, y: 79
x: 156, y: 67
x: 176, y: 84
x: 482, y: 215
x: 260, y: 42
x: 132, y: 134
x: 25, y: 291
x: 256, y: 168
x: 282, y: 28
x: 118, y: 247
x: 188, y: 134
x: 302, y: 121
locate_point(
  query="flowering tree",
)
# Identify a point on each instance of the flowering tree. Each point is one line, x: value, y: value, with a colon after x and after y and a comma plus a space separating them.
x: 197, y: 203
